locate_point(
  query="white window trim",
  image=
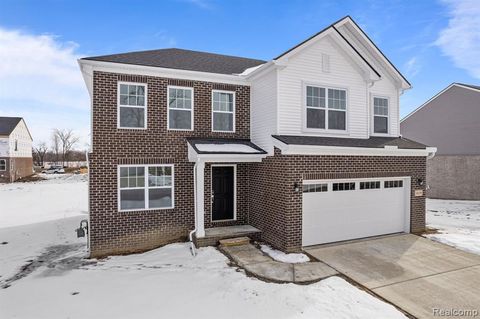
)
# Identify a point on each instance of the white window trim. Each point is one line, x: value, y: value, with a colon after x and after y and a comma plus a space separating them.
x: 234, y: 192
x: 191, y: 111
x: 373, y: 115
x: 5, y: 164
x: 132, y: 106
x: 145, y: 187
x: 226, y: 112
x: 326, y: 129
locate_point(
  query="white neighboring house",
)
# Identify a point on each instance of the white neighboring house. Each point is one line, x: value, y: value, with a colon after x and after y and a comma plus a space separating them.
x: 15, y: 149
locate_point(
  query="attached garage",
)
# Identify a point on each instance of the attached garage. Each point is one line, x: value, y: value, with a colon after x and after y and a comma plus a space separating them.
x: 337, y: 210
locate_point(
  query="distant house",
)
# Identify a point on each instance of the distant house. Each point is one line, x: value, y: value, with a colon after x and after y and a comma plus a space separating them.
x: 15, y: 149
x: 450, y: 121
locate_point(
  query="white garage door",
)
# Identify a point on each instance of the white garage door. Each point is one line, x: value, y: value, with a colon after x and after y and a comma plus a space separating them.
x: 336, y: 210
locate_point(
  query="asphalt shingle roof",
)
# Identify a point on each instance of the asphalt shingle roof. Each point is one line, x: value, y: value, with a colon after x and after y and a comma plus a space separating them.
x: 470, y: 86
x: 372, y: 142
x: 195, y: 141
x: 183, y: 60
x: 8, y: 124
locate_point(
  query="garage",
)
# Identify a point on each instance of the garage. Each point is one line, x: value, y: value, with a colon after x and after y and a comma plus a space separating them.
x: 337, y: 210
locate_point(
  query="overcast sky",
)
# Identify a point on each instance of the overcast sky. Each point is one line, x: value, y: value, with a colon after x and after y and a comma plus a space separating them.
x: 433, y: 43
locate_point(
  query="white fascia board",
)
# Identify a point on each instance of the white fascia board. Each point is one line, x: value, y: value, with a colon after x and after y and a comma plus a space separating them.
x: 437, y: 95
x: 193, y: 156
x: 348, y: 20
x: 163, y: 72
x: 87, y: 73
x: 289, y: 149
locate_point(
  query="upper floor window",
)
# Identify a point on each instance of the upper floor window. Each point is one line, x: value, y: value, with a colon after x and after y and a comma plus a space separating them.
x: 223, y: 111
x: 16, y: 145
x: 380, y: 115
x: 180, y: 108
x: 326, y: 108
x: 3, y: 165
x: 132, y: 105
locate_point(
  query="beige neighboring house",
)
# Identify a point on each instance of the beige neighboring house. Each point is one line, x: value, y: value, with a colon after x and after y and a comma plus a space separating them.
x: 15, y: 149
x: 450, y: 121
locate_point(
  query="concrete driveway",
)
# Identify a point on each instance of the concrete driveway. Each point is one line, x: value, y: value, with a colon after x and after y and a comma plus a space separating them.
x: 418, y: 275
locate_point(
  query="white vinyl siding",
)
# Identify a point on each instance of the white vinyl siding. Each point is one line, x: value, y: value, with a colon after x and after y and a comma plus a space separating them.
x: 263, y: 114
x: 19, y: 142
x: 305, y: 69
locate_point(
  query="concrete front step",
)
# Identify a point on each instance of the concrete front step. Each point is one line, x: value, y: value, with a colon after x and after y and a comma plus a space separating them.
x: 215, y: 234
x: 255, y: 262
x: 237, y: 241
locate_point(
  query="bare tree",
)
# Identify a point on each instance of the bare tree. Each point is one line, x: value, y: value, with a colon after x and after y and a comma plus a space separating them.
x: 55, y: 145
x: 39, y: 153
x: 67, y: 142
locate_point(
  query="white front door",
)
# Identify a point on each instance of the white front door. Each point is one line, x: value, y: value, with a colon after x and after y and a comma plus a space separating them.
x: 336, y: 210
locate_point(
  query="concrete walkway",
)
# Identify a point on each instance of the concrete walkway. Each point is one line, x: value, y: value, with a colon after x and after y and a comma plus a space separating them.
x: 255, y: 262
x: 416, y: 274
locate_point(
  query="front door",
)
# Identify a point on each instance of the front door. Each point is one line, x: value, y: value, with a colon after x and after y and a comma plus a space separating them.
x: 223, y: 192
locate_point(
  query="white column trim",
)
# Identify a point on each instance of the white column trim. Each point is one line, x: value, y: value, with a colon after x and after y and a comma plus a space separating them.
x: 200, y: 199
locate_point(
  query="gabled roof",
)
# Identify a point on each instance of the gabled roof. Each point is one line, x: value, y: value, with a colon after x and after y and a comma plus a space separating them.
x: 184, y: 60
x: 475, y: 88
x: 8, y: 124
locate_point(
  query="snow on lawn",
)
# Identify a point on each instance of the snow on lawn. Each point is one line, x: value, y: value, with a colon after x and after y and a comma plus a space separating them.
x: 54, y: 280
x: 293, y: 258
x: 169, y: 283
x: 31, y: 202
x: 458, y: 223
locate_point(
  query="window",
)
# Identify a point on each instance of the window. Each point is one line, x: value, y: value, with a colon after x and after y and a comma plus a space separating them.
x: 343, y: 186
x: 326, y: 108
x: 146, y: 187
x: 223, y: 111
x: 380, y: 115
x: 132, y: 104
x: 315, y: 188
x: 16, y: 145
x: 393, y: 184
x: 3, y: 165
x: 180, y: 108
x: 370, y: 185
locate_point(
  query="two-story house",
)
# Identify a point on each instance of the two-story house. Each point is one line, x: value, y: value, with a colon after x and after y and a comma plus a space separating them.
x: 15, y: 149
x: 300, y: 150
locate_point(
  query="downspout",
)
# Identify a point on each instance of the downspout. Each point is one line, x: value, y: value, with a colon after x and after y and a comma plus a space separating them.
x: 192, y: 245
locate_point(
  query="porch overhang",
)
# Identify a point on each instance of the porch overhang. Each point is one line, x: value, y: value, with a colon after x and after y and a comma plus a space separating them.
x: 224, y: 151
x: 374, y: 146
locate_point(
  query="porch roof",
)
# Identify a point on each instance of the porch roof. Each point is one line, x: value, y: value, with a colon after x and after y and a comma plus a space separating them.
x: 224, y: 150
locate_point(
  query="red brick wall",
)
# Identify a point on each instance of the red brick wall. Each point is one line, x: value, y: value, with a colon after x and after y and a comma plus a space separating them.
x: 17, y: 168
x: 276, y: 208
x: 114, y: 232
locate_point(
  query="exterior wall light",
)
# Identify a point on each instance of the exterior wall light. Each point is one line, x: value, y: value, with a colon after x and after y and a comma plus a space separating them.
x: 296, y: 188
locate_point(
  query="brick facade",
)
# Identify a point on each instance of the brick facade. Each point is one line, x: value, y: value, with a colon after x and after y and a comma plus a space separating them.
x: 276, y: 208
x: 114, y: 232
x: 265, y: 195
x: 16, y: 168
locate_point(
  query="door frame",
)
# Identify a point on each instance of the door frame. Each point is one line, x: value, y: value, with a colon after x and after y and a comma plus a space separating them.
x: 234, y: 192
x: 407, y: 185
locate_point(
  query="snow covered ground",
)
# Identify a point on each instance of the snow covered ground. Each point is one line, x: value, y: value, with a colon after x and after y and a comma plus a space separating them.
x: 458, y: 223
x: 283, y: 257
x: 53, y: 280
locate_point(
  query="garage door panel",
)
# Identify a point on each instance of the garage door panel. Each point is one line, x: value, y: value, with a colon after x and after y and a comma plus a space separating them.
x: 342, y: 215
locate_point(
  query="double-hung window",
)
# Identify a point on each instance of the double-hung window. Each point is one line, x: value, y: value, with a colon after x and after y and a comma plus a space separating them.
x: 143, y: 187
x: 326, y: 108
x: 380, y: 115
x: 180, y: 108
x: 223, y: 111
x: 3, y: 165
x: 132, y: 105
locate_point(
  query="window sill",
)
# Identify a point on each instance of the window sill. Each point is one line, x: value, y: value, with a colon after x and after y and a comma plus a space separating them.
x: 144, y: 210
